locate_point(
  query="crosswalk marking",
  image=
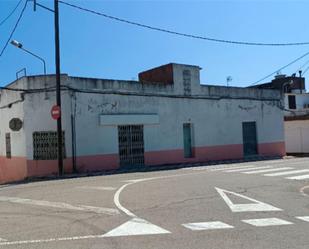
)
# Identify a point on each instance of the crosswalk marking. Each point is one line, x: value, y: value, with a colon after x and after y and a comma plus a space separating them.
x: 304, y: 218
x: 266, y: 170
x: 233, y: 167
x: 207, y: 225
x: 301, y: 177
x: 291, y: 172
x: 254, y: 168
x: 267, y: 222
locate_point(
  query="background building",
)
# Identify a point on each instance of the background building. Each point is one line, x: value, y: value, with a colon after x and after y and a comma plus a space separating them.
x: 296, y: 111
x: 166, y: 117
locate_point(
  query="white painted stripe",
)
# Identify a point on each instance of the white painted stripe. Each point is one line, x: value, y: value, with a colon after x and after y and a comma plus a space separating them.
x: 233, y: 167
x: 207, y: 225
x: 254, y: 168
x: 98, y: 210
x: 256, y: 206
x: 266, y: 170
x: 1, y: 240
x: 24, y: 242
x: 117, y: 202
x: 267, y: 222
x: 96, y: 188
x: 301, y: 177
x: 304, y: 218
x: 136, y: 226
x: 291, y: 172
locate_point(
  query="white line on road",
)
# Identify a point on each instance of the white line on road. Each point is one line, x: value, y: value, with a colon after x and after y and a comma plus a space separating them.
x: 304, y: 218
x: 301, y: 177
x: 1, y: 240
x: 207, y: 225
x: 267, y: 222
x: 24, y: 242
x: 96, y: 188
x: 266, y: 170
x: 256, y: 206
x: 233, y: 167
x: 61, y: 205
x: 255, y: 168
x: 291, y: 172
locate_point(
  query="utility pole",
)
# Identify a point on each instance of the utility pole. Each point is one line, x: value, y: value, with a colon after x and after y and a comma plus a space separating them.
x: 58, y: 87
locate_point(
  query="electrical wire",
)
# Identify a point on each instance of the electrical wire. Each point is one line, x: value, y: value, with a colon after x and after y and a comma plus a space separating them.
x: 182, y: 34
x: 305, y: 71
x: 11, y: 13
x: 14, y: 28
x: 289, y: 64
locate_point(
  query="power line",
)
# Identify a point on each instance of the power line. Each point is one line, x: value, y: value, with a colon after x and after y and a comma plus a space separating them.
x: 297, y: 59
x: 182, y: 34
x: 15, y: 26
x: 11, y: 13
x: 305, y: 71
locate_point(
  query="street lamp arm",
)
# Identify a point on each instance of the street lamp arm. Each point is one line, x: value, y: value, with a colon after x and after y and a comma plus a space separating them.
x: 38, y: 57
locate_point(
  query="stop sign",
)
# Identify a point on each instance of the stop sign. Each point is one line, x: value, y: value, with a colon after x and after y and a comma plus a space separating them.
x: 55, y: 112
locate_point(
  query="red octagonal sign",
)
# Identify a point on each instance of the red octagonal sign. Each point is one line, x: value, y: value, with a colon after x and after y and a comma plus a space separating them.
x: 55, y: 112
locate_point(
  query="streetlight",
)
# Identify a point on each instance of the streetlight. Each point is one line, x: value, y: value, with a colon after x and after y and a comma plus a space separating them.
x: 20, y: 46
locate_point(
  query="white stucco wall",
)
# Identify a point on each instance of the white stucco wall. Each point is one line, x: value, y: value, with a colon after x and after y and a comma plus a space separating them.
x: 297, y: 136
x: 216, y: 113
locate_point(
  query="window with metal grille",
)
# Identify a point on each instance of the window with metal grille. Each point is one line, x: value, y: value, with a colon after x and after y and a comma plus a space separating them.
x: 131, y: 145
x: 45, y: 145
x: 292, y: 102
x: 8, y: 145
x: 186, y: 74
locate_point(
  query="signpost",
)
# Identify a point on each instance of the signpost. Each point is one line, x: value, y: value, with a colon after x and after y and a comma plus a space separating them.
x: 55, y: 112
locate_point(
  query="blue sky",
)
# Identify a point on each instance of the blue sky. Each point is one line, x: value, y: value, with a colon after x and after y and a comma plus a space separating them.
x: 93, y: 46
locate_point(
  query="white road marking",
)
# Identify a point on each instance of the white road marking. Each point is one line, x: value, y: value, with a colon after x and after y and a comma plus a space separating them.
x: 304, y: 218
x: 256, y: 206
x: 24, y: 242
x: 255, y: 168
x: 266, y: 170
x: 233, y: 167
x: 207, y: 225
x: 96, y: 188
x: 301, y: 177
x: 302, y: 190
x: 61, y: 205
x: 291, y: 172
x: 136, y: 226
x: 267, y: 222
x: 1, y: 240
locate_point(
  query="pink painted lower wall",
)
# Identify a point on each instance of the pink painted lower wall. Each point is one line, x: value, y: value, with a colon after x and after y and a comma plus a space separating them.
x: 97, y: 162
x: 272, y: 149
x: 200, y: 154
x: 18, y: 168
x: 12, y: 169
x: 47, y: 167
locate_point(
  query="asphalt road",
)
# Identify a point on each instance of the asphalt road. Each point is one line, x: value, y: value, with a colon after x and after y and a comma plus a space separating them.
x: 256, y: 205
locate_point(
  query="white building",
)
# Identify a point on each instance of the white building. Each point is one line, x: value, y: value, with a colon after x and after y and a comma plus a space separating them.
x: 296, y: 122
x: 296, y: 111
x: 166, y: 117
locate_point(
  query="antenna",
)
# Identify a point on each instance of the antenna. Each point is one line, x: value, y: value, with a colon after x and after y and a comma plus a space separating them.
x: 228, y: 79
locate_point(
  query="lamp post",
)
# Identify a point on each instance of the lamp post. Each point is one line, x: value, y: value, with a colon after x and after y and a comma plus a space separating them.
x: 20, y: 46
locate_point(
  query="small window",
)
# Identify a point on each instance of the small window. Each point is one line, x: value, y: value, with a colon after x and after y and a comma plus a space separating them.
x: 8, y: 145
x: 292, y: 102
x: 45, y: 145
x: 186, y: 74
